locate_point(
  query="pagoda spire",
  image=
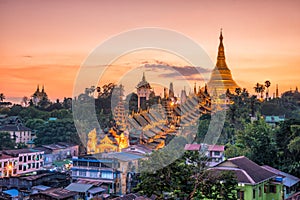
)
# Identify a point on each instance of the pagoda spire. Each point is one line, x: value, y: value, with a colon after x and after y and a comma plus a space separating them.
x: 144, y: 78
x: 221, y: 77
x: 38, y: 88
x: 221, y: 54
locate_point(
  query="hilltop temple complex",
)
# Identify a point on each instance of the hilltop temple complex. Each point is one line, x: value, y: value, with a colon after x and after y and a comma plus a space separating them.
x: 158, y: 119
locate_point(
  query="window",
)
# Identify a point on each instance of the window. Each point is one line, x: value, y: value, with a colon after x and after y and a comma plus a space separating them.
x: 0, y: 165
x: 74, y: 173
x: 259, y: 191
x: 216, y: 153
x: 253, y: 193
x: 93, y: 174
x: 107, y: 175
x: 82, y: 173
x: 29, y: 157
x: 94, y: 164
x: 266, y: 189
x: 81, y: 163
x: 20, y: 158
x: 20, y: 167
x: 240, y: 195
x: 273, y: 188
x: 25, y: 158
x: 33, y: 165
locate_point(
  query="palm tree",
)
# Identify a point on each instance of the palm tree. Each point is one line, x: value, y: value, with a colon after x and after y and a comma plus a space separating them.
x: 2, y: 97
x: 267, y: 85
x: 238, y: 91
x: 262, y: 89
x: 257, y: 88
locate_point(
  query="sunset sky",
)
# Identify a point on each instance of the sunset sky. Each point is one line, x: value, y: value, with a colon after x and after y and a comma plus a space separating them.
x: 45, y: 42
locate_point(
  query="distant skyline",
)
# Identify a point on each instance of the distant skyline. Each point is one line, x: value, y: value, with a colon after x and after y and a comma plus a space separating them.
x: 45, y: 42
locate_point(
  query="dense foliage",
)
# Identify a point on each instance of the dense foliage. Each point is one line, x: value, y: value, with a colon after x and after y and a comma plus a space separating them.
x: 185, y: 178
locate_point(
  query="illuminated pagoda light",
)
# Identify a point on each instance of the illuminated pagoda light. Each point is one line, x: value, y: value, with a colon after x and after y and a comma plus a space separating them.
x: 221, y: 79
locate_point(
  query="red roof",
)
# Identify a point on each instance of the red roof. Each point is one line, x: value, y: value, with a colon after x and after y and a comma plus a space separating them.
x: 215, y: 147
x: 192, y: 147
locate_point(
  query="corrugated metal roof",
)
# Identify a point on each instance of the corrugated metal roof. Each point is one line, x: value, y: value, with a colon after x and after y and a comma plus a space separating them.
x: 79, y: 187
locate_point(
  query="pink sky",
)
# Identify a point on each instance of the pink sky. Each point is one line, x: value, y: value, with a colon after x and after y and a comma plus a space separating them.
x: 45, y: 42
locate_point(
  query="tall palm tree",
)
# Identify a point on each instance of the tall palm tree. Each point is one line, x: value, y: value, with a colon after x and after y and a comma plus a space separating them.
x: 262, y: 89
x: 257, y: 88
x: 267, y: 85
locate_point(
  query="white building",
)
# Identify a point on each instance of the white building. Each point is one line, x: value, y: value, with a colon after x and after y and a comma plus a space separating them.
x: 18, y: 132
x: 20, y: 161
x: 214, y: 153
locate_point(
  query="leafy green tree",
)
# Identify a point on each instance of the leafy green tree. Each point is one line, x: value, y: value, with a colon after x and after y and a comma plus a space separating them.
x: 15, y: 110
x: 287, y: 140
x: 35, y: 124
x: 216, y: 185
x: 6, y: 141
x: 31, y: 113
x: 57, y: 131
x: 256, y: 142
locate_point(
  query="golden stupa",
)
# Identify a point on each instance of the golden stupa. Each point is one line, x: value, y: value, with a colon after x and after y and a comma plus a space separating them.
x: 221, y: 78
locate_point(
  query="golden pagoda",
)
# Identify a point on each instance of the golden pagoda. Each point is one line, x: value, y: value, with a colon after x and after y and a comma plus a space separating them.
x: 221, y: 78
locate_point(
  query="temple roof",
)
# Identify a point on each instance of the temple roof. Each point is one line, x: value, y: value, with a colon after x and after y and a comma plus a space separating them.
x: 143, y: 83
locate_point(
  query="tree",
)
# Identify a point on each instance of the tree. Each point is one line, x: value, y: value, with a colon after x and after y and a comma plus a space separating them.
x: 6, y: 141
x: 257, y: 88
x: 57, y: 131
x: 159, y: 176
x: 267, y: 85
x: 216, y: 185
x: 238, y: 91
x: 287, y: 141
x: 258, y: 143
x: 2, y: 97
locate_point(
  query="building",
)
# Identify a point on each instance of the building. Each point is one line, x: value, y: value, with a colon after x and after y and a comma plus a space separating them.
x: 9, y: 120
x: 127, y: 164
x: 20, y: 161
x: 254, y: 181
x: 18, y: 132
x: 87, y: 191
x: 274, y: 120
x: 290, y: 183
x: 58, y: 152
x: 55, y: 194
x: 8, y: 165
x: 106, y: 170
x: 98, y: 171
x: 143, y: 91
x: 214, y: 153
x: 27, y: 182
x: 221, y: 79
x: 39, y: 96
